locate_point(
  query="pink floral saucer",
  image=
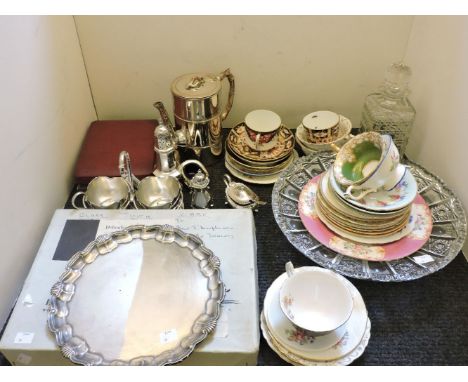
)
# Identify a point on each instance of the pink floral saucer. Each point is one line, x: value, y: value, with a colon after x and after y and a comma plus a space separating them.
x: 406, y: 246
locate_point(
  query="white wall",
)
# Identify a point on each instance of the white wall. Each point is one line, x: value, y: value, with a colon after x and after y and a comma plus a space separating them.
x: 437, y: 52
x: 293, y: 65
x: 45, y: 108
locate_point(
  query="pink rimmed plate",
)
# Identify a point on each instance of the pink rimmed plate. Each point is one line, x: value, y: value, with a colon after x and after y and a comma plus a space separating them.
x: 421, y: 220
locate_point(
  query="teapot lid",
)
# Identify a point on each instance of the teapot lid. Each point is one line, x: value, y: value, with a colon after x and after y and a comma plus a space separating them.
x: 196, y: 85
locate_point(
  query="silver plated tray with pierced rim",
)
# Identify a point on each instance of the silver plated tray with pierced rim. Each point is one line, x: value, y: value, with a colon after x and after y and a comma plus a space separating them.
x: 446, y: 240
x: 145, y: 295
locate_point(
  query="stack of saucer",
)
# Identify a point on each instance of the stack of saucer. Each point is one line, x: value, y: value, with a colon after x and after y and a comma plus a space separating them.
x: 378, y: 218
x: 313, y: 316
x: 260, y: 148
x: 367, y: 195
x: 321, y: 130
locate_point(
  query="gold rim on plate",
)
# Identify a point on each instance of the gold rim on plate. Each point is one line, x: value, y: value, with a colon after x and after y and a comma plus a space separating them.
x: 236, y: 143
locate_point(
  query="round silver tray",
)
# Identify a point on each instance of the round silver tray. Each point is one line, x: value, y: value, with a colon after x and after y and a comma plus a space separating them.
x: 147, y: 295
x: 445, y: 242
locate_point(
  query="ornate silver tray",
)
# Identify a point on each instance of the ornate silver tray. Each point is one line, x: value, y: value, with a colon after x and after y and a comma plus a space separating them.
x: 146, y: 295
x: 446, y: 240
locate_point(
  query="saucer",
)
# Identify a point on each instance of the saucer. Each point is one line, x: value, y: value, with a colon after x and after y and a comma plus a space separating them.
x: 357, y: 213
x: 259, y: 179
x: 403, y: 247
x: 236, y: 141
x: 296, y: 360
x: 384, y: 239
x: 320, y: 348
x: 397, y: 198
x: 344, y: 130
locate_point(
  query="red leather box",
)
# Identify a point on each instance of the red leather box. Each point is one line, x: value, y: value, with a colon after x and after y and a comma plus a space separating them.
x: 106, y: 139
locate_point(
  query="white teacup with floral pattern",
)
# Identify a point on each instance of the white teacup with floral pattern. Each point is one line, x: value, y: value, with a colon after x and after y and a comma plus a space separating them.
x: 384, y: 177
x: 315, y: 300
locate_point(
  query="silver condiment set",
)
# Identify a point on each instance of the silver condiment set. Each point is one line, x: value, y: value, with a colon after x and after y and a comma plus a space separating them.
x: 155, y: 192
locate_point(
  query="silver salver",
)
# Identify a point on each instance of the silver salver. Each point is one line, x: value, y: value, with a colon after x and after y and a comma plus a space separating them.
x: 445, y: 242
x: 145, y: 295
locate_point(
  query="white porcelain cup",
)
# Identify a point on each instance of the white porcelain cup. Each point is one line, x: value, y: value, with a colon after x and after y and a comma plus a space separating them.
x: 315, y: 299
x: 387, y: 174
x: 261, y: 128
x: 321, y: 126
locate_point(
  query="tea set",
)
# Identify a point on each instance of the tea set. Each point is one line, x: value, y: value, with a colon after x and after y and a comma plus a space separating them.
x: 259, y: 148
x: 313, y: 316
x: 322, y: 130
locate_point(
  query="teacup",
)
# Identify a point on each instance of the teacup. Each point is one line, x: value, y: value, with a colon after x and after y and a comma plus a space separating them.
x: 358, y: 159
x: 385, y: 177
x: 369, y: 168
x: 261, y: 128
x: 104, y: 192
x: 321, y: 126
x: 159, y: 192
x: 315, y: 299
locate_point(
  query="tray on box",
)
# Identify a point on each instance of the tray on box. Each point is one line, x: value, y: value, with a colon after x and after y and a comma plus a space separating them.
x: 180, y: 311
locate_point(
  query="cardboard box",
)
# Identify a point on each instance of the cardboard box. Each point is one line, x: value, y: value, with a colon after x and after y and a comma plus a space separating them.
x: 230, y: 234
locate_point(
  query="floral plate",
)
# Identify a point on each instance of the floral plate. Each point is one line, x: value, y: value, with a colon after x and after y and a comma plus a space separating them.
x: 397, y: 198
x: 386, y: 252
x: 296, y: 360
x: 320, y: 348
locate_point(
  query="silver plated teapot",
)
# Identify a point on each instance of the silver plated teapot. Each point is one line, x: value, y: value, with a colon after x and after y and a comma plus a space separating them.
x: 197, y: 110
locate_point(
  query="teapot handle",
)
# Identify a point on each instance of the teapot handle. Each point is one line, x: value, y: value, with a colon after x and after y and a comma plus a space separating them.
x: 191, y: 161
x: 227, y: 73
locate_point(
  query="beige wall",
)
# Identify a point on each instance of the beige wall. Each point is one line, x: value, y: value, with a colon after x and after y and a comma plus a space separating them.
x: 438, y: 54
x: 293, y: 65
x: 45, y: 108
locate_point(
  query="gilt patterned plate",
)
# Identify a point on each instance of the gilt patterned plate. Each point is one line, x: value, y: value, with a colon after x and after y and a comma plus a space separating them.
x: 321, y: 348
x: 236, y: 142
x: 403, y: 243
x: 445, y: 241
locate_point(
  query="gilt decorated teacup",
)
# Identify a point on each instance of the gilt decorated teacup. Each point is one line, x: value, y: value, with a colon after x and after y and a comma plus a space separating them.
x: 261, y: 128
x: 321, y: 126
x: 386, y: 175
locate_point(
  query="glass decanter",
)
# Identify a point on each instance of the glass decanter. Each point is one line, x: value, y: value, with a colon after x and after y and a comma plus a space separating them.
x: 389, y: 111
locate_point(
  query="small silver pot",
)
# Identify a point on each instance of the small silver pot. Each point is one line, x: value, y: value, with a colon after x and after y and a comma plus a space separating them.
x: 159, y: 192
x: 104, y: 192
